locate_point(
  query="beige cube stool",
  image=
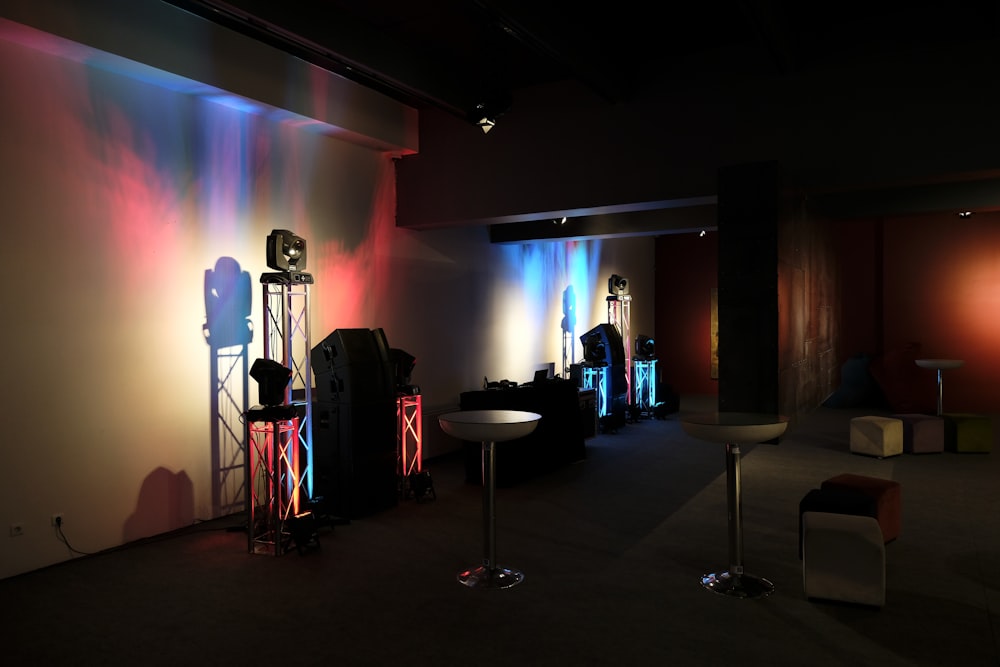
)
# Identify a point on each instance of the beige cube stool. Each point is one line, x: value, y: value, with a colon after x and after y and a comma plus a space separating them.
x: 843, y: 558
x: 877, y: 436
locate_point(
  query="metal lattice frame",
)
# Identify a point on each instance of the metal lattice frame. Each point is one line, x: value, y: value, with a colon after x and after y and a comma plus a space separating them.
x: 620, y: 315
x: 595, y: 377
x: 409, y: 436
x: 275, y: 484
x: 287, y: 340
x: 645, y: 384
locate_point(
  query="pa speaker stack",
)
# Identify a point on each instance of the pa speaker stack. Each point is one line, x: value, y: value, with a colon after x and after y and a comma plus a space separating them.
x: 354, y: 423
x: 603, y: 346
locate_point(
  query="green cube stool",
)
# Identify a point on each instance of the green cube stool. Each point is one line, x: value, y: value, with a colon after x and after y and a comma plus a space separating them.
x: 968, y: 433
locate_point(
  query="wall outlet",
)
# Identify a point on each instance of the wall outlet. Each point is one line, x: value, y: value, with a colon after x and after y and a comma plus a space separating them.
x: 57, y: 520
x: 16, y: 530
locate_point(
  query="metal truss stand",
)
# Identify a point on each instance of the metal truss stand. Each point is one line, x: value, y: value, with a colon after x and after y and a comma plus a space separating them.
x: 287, y: 341
x: 620, y: 315
x: 409, y: 434
x: 595, y: 377
x: 645, y: 385
x: 274, y: 478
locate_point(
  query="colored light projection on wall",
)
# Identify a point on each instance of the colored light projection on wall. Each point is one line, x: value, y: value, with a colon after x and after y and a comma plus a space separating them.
x: 541, y: 274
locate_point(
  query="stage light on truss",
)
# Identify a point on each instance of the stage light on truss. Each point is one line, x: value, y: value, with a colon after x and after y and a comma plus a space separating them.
x: 645, y: 347
x: 617, y: 285
x: 286, y: 251
x: 594, y: 349
x: 272, y: 380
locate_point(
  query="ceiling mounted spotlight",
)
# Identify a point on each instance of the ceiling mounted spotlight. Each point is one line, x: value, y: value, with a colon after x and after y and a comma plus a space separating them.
x: 486, y: 112
x: 559, y: 221
x: 617, y: 285
x: 965, y: 214
x: 486, y: 124
x: 286, y: 251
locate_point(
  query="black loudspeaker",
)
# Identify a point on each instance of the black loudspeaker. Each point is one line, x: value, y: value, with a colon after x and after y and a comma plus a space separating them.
x: 608, y: 340
x: 354, y: 458
x: 353, y: 366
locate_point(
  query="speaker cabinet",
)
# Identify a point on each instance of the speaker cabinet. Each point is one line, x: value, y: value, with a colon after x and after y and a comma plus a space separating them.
x: 353, y: 366
x: 354, y: 457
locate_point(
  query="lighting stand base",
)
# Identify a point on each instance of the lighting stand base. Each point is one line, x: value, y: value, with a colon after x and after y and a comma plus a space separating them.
x: 484, y: 577
x: 738, y: 586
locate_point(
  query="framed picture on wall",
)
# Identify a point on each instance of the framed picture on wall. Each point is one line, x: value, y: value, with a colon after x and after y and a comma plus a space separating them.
x: 714, y: 333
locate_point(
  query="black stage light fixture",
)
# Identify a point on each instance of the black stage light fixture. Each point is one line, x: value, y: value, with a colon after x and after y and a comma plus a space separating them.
x: 272, y: 380
x: 402, y: 367
x: 617, y: 285
x: 286, y: 251
x: 645, y: 347
x: 594, y: 350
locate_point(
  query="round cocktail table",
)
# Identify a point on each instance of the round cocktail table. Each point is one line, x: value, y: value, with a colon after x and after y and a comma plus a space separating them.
x: 730, y: 429
x: 940, y: 365
x: 489, y: 427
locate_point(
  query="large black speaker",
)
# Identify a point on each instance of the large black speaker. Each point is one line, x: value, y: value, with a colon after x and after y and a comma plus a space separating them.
x: 603, y: 346
x: 353, y: 366
x: 354, y: 457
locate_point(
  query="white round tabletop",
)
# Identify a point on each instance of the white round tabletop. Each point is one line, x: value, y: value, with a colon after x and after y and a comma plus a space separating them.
x: 940, y: 364
x: 734, y: 427
x: 489, y: 425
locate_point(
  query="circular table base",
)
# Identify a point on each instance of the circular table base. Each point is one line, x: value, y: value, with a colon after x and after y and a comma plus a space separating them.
x: 484, y: 577
x: 742, y: 586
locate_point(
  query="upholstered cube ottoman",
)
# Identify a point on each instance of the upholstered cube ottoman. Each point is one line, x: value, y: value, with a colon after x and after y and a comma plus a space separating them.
x: 968, y: 433
x: 922, y: 434
x: 843, y: 558
x: 886, y: 493
x: 836, y: 501
x: 876, y: 436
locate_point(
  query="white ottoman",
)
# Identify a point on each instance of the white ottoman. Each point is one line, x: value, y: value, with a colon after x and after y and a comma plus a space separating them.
x: 843, y: 558
x: 877, y: 436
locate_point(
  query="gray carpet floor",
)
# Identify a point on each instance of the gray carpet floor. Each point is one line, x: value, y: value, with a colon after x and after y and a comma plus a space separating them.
x: 612, y: 549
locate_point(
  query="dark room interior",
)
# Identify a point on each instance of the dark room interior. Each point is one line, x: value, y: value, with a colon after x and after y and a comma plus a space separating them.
x: 805, y: 204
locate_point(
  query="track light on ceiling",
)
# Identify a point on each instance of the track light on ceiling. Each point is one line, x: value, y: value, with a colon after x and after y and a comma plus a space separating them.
x: 559, y: 221
x: 965, y: 214
x: 487, y: 110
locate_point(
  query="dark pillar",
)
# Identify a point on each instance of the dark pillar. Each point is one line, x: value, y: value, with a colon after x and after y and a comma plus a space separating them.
x: 748, y: 211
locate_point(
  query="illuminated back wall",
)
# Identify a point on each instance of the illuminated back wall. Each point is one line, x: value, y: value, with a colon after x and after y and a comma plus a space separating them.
x: 123, y: 194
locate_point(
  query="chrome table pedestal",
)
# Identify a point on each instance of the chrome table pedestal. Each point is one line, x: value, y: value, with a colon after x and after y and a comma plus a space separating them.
x: 489, y: 427
x: 730, y: 428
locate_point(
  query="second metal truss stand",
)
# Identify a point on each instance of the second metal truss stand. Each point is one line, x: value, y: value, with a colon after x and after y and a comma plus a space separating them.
x: 287, y: 341
x: 274, y: 478
x: 620, y: 315
x: 645, y: 385
x: 409, y: 434
x: 596, y: 378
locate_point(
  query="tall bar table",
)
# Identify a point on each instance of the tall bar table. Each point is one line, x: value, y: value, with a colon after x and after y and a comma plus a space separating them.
x: 940, y: 365
x: 489, y: 427
x: 730, y: 429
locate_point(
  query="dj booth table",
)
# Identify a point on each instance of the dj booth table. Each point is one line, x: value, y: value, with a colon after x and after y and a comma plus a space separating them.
x: 557, y: 441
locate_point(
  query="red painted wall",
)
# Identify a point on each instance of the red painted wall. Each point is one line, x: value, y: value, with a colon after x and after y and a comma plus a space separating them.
x: 686, y: 272
x: 929, y: 279
x: 941, y: 288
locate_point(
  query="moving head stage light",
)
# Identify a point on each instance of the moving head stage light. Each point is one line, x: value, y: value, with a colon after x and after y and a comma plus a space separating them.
x: 617, y: 285
x: 286, y: 252
x: 645, y: 347
x: 272, y: 380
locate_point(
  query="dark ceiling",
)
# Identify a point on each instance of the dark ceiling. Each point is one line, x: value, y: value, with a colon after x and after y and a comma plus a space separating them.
x: 457, y: 54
